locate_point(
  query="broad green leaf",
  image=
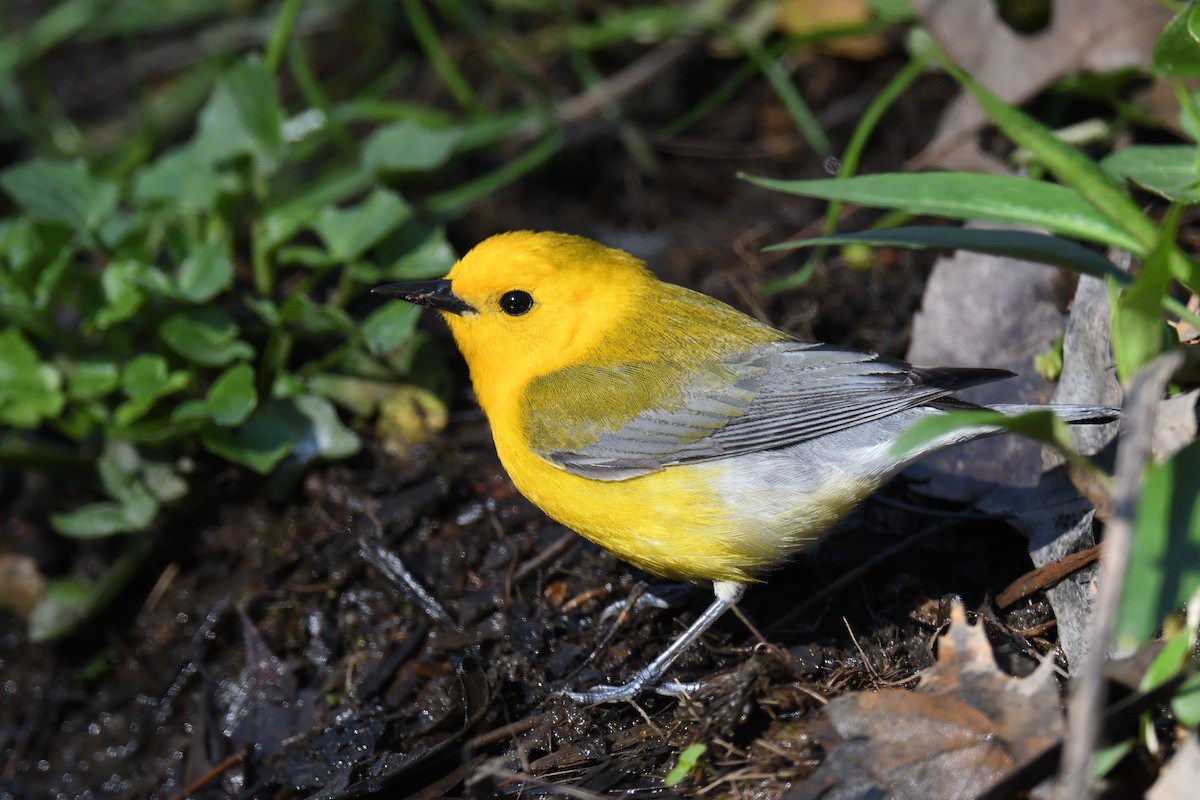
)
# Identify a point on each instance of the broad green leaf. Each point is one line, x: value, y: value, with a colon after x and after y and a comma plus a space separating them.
x: 94, y: 521
x: 1025, y: 245
x: 163, y: 482
x: 233, y: 396
x: 955, y: 195
x: 287, y: 218
x: 1138, y: 330
x: 30, y: 390
x: 422, y: 255
x: 1177, y: 52
x: 317, y: 320
x: 1164, y: 566
x: 360, y: 396
x: 123, y: 295
x: 183, y: 176
x: 325, y: 435
x: 61, y: 191
x: 146, y: 376
x: 1167, y: 170
x: 91, y: 377
x: 348, y: 233
x: 120, y: 466
x: 263, y: 441
x: 206, y: 336
x: 409, y: 146
x: 62, y: 608
x: 390, y: 325
x: 243, y: 117
x: 206, y: 272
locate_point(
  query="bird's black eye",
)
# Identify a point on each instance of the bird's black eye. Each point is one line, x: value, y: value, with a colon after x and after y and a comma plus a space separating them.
x: 516, y: 302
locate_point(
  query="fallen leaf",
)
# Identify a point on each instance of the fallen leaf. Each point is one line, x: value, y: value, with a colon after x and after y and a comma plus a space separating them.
x: 1179, y: 779
x: 966, y: 726
x: 987, y: 311
x: 1083, y: 35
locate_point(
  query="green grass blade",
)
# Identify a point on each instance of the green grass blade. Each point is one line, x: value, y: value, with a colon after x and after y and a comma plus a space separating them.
x: 992, y: 198
x: 1038, y: 247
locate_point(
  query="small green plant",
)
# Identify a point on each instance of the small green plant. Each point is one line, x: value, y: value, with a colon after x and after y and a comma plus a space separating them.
x: 138, y: 336
x: 1090, y: 203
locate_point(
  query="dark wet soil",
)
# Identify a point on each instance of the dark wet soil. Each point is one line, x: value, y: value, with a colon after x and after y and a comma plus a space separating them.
x: 272, y: 649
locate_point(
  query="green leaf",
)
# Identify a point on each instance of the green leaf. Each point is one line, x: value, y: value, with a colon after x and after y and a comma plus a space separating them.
x: 145, y: 380
x: 122, y: 294
x: 1025, y: 245
x: 30, y: 390
x: 91, y: 378
x: 390, y: 325
x: 185, y: 177
x: 325, y: 436
x: 1177, y: 52
x: 689, y: 758
x: 206, y: 336
x: 233, y: 396
x: 408, y: 146
x: 263, y: 441
x: 120, y: 466
x: 1106, y: 758
x: 65, y: 604
x: 317, y: 320
x: 243, y: 117
x: 1138, y: 331
x: 164, y: 483
x: 61, y: 191
x: 1166, y: 170
x: 1079, y: 172
x: 955, y: 195
x: 349, y: 233
x: 95, y: 521
x: 427, y: 257
x: 1186, y: 702
x: 1169, y: 661
x: 206, y: 272
x: 146, y: 377
x: 1164, y: 569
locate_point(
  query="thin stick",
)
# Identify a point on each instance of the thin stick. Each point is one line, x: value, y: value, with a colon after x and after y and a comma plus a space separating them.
x: 1087, y: 695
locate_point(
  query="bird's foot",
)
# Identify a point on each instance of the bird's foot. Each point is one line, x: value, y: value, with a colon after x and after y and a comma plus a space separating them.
x: 607, y: 694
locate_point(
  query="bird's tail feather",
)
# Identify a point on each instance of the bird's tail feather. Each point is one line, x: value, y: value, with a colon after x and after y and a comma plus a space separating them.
x: 1074, y: 415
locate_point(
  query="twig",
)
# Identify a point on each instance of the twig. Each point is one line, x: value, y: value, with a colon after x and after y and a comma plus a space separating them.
x: 1084, y: 705
x: 1046, y: 575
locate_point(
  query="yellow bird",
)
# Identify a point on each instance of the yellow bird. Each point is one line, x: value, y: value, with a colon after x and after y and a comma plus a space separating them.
x: 680, y: 434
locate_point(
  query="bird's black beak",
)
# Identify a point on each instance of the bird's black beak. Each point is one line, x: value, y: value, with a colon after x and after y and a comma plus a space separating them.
x: 435, y: 294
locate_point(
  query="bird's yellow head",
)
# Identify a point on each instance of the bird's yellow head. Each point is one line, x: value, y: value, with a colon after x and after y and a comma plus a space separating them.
x: 524, y: 304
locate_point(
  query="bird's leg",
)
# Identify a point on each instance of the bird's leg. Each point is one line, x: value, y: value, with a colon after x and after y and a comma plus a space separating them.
x: 727, y: 594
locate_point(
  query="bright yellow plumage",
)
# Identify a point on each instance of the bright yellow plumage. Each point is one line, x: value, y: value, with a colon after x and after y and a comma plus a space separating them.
x: 689, y: 439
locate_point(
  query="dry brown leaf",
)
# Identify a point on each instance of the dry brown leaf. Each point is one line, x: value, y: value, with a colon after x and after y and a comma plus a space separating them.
x: 1084, y: 35
x: 965, y: 727
x: 799, y: 17
x: 21, y: 583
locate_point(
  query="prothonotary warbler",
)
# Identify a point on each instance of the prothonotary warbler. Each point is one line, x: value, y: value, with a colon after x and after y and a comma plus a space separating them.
x: 682, y: 435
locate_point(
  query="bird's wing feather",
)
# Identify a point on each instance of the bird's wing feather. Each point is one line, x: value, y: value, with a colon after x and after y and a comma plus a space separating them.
x: 772, y: 396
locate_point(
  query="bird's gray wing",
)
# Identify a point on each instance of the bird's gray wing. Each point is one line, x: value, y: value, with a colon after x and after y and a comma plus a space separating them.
x: 583, y: 419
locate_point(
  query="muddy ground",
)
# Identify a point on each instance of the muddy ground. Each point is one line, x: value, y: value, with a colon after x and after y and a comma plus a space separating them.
x: 269, y: 650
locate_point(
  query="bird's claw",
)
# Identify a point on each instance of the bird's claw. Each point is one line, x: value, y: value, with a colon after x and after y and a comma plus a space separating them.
x: 606, y: 694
